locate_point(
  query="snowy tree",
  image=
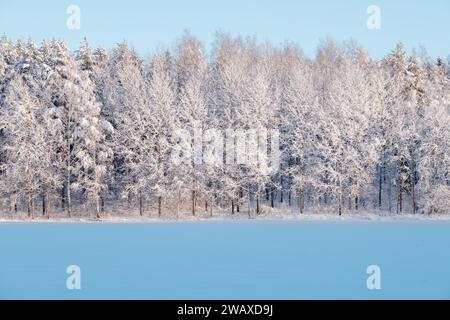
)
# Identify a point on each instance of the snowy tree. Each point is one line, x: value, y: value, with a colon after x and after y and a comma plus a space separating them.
x: 141, y: 100
x: 29, y: 75
x: 128, y: 108
x: 433, y: 149
x: 162, y: 99
x: 297, y: 112
x: 396, y: 64
x: 95, y: 65
x: 258, y: 119
x: 191, y: 68
x: 225, y: 107
x: 77, y: 130
x: 25, y: 145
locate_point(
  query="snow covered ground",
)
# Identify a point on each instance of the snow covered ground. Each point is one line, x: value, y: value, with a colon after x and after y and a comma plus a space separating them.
x: 273, y: 215
x: 256, y: 259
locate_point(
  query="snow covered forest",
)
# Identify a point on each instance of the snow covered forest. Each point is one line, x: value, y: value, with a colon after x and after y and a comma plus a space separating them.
x: 91, y: 132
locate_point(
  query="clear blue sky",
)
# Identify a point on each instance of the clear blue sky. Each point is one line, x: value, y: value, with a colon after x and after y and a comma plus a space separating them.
x: 149, y: 25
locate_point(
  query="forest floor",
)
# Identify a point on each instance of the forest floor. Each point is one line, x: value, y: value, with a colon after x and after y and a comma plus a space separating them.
x: 285, y: 214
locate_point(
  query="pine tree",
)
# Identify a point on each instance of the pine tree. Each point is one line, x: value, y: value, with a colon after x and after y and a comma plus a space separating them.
x: 191, y: 68
x: 77, y: 132
x: 24, y: 144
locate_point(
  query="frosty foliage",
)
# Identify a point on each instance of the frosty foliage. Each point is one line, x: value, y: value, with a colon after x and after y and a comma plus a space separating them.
x: 95, y: 130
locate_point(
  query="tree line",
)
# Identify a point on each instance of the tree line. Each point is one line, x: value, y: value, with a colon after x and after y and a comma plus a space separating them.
x: 94, y: 130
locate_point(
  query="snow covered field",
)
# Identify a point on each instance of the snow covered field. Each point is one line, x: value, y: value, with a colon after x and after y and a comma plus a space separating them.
x: 248, y: 259
x: 224, y: 216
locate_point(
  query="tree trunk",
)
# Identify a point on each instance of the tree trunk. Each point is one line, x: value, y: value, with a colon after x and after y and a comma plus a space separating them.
x: 272, y: 197
x: 129, y: 200
x: 380, y: 187
x: 141, y: 210
x: 63, y: 197
x: 159, y: 206
x: 239, y: 200
x: 413, y: 188
x: 248, y: 204
x: 68, y: 200
x: 258, y: 211
x: 414, y: 199
x: 389, y: 190
x: 68, y: 155
x: 44, y: 203
x: 211, y: 205
x: 193, y: 202
x: 257, y: 204
x: 301, y: 200
x: 48, y: 205
x: 341, y: 195
x: 14, y: 204
x: 97, y: 206
x: 281, y: 189
x: 289, y: 179
x: 33, y: 207
x: 30, y: 205
x: 399, y: 199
